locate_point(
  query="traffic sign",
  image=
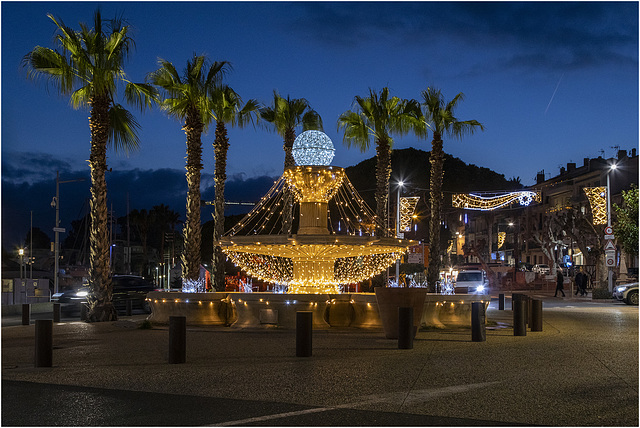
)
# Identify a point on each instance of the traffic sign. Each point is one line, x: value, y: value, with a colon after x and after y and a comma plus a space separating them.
x: 59, y: 229
x: 609, y: 246
x: 608, y: 230
x: 609, y: 237
x: 610, y: 260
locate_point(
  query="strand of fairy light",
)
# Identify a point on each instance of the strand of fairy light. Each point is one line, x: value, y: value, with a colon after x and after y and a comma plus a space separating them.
x: 597, y: 197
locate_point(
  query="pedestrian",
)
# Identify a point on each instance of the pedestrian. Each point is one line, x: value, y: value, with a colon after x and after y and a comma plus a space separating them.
x: 581, y: 283
x: 559, y: 282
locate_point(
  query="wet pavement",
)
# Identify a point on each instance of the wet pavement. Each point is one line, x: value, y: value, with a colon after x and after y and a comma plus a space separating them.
x: 581, y: 370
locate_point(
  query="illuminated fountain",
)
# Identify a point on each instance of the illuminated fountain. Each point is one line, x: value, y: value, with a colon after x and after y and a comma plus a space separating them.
x: 314, y: 260
x: 335, y: 244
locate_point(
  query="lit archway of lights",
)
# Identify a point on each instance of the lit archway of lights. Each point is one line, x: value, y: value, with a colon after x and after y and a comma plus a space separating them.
x: 470, y: 201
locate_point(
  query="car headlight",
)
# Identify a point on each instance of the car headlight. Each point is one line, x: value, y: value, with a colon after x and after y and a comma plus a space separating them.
x: 82, y: 293
x: 621, y: 288
x: 480, y: 288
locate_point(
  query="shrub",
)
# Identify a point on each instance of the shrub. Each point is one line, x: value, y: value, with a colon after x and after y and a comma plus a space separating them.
x: 601, y: 293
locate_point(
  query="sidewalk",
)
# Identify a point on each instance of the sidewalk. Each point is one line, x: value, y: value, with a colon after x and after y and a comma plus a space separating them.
x: 568, y: 374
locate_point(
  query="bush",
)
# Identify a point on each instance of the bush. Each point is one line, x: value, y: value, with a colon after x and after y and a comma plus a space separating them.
x: 601, y: 293
x: 146, y: 325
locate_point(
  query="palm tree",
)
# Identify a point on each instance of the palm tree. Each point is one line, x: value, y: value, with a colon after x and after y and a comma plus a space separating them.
x: 439, y: 118
x: 188, y: 98
x: 377, y: 117
x: 227, y: 108
x: 286, y: 115
x: 88, y: 66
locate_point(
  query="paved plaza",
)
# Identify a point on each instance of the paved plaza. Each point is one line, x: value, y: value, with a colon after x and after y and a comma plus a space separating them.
x: 581, y: 370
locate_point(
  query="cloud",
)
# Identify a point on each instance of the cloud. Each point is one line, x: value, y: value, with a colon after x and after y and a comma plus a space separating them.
x: 521, y: 34
x: 142, y: 188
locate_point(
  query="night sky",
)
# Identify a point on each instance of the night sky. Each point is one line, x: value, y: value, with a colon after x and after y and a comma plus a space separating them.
x: 551, y: 82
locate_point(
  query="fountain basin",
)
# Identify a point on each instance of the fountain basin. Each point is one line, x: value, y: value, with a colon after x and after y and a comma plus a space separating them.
x: 269, y: 310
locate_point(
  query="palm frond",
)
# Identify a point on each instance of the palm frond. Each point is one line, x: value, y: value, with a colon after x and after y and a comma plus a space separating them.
x: 123, y: 129
x: 141, y: 95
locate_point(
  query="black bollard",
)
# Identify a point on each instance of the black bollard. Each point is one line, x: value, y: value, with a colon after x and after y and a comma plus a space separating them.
x: 405, y: 328
x: 501, y: 302
x: 304, y: 333
x: 536, y: 315
x: 56, y: 312
x: 44, y: 343
x: 519, y: 317
x: 83, y: 311
x: 177, y: 339
x: 478, y: 327
x: 514, y: 297
x: 129, y: 306
x: 529, y: 302
x: 26, y: 314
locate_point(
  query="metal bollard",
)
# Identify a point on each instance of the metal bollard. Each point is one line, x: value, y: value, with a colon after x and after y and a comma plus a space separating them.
x: 304, y: 333
x: 501, y: 302
x: 529, y: 302
x: 519, y: 317
x: 177, y: 339
x: 44, y: 343
x: 56, y: 312
x: 536, y: 315
x: 478, y: 327
x: 26, y: 314
x: 129, y: 306
x: 405, y: 328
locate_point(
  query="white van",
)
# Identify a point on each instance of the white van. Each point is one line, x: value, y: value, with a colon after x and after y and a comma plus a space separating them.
x: 472, y: 282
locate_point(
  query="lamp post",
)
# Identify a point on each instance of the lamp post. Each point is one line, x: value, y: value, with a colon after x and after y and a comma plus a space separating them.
x: 57, y: 229
x: 609, y: 270
x: 400, y: 184
x: 21, y: 253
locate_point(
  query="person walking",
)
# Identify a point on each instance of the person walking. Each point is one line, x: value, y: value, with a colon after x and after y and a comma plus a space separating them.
x: 559, y: 282
x: 581, y: 283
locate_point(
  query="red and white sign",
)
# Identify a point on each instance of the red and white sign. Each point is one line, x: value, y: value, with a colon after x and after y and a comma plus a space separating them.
x: 608, y: 230
x: 609, y: 246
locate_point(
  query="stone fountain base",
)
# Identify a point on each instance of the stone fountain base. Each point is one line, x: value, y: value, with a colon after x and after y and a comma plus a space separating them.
x: 260, y: 310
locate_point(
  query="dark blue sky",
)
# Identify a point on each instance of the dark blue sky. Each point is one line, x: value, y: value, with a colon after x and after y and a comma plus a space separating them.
x: 551, y: 82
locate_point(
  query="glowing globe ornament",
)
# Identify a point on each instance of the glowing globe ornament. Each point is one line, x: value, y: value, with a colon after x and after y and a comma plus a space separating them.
x: 313, y: 148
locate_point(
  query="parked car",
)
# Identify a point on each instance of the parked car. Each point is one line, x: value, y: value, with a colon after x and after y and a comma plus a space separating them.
x: 125, y: 287
x: 627, y: 293
x: 472, y: 282
x: 542, y: 269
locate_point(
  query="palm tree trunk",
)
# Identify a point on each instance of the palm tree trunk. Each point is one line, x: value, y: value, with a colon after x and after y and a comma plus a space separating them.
x: 383, y: 173
x: 192, y: 228
x: 100, y: 305
x: 436, y: 158
x: 287, y: 220
x: 221, y: 147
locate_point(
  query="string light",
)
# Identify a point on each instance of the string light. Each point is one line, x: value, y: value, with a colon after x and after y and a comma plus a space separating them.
x: 501, y: 238
x: 312, y: 261
x: 470, y: 201
x: 598, y: 200
x: 313, y: 148
x: 407, y: 208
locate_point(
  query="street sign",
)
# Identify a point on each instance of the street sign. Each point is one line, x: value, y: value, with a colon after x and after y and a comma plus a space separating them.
x: 608, y: 230
x: 611, y: 237
x: 610, y: 258
x: 609, y: 246
x: 59, y: 229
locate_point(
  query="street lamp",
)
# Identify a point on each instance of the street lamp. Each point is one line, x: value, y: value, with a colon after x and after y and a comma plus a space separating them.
x: 400, y: 184
x: 21, y: 254
x: 57, y: 229
x: 610, y: 271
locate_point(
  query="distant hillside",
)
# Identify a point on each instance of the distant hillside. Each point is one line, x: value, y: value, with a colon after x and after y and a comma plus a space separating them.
x: 413, y: 167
